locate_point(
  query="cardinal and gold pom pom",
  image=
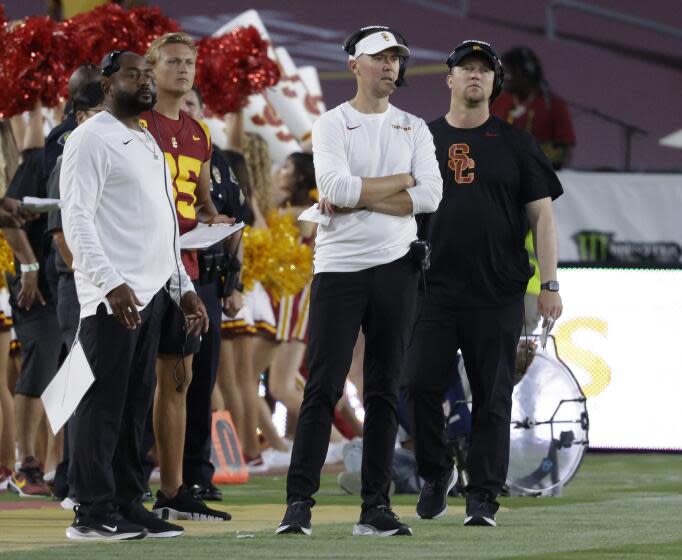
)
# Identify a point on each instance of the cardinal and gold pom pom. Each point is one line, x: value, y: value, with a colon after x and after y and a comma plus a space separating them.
x: 276, y: 257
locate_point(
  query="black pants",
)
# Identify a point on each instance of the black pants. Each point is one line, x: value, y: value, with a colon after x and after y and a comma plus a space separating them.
x: 107, y: 428
x: 382, y: 300
x: 488, y: 339
x: 197, y: 467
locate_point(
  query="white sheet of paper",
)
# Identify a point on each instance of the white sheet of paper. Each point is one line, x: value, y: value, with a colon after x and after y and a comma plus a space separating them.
x: 205, y: 235
x: 40, y: 205
x: 66, y: 390
x: 314, y: 215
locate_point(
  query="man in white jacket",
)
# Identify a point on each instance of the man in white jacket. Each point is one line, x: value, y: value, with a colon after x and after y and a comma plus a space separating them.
x: 375, y: 168
x: 120, y: 224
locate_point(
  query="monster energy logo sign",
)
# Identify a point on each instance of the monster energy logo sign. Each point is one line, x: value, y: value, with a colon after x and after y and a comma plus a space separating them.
x: 600, y: 246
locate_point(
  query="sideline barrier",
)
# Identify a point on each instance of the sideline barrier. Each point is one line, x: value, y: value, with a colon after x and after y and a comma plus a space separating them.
x: 620, y: 334
x: 620, y: 218
x: 226, y: 453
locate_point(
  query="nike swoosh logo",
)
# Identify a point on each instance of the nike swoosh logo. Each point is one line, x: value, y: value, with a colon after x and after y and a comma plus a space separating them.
x: 353, y: 127
x: 195, y: 138
x: 112, y: 529
x: 126, y: 142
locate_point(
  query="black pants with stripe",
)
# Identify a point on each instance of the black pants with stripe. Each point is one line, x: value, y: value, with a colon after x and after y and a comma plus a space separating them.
x: 107, y: 428
x: 382, y: 301
x: 488, y: 338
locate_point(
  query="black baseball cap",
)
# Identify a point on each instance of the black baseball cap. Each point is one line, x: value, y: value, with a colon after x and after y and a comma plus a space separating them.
x: 469, y: 47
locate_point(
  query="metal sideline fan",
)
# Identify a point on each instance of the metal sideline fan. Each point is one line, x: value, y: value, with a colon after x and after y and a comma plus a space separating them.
x: 549, y: 428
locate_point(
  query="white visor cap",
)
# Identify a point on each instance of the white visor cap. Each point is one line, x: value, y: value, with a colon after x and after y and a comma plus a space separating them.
x: 377, y: 42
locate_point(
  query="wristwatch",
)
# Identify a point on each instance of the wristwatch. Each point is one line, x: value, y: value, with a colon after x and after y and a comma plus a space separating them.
x: 550, y: 286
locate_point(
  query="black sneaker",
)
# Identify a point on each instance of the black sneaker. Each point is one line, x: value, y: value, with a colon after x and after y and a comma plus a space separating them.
x: 481, y: 511
x: 296, y: 519
x: 113, y: 527
x: 185, y: 506
x: 433, y: 498
x: 380, y: 521
x: 156, y: 528
x: 208, y: 493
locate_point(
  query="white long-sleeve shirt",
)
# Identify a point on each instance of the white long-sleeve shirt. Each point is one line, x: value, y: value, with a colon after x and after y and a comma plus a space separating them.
x: 118, y: 214
x: 349, y: 145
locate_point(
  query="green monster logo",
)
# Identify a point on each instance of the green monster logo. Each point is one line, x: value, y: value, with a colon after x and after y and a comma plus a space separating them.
x: 601, y: 247
x: 593, y: 246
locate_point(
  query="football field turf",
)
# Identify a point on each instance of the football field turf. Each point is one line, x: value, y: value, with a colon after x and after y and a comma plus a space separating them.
x: 617, y: 507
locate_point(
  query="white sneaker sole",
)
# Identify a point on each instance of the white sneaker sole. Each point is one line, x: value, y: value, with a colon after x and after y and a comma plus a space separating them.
x: 164, y: 535
x: 451, y: 485
x: 284, y: 529
x: 75, y: 535
x: 168, y: 514
x: 479, y: 521
x: 360, y: 530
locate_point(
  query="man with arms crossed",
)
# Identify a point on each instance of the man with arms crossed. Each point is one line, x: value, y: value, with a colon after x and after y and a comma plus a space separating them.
x: 496, y: 181
x: 120, y: 225
x: 376, y: 165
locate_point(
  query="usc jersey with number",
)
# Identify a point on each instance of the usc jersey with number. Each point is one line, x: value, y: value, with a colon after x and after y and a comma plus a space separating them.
x: 186, y: 144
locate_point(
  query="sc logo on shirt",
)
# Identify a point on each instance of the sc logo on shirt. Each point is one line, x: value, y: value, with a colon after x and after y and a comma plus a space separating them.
x: 461, y: 163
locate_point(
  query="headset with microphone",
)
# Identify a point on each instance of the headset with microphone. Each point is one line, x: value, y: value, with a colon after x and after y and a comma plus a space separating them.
x: 352, y: 40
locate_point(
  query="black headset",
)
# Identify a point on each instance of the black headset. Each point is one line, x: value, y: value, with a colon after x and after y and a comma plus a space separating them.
x: 352, y: 40
x: 110, y: 63
x: 455, y: 57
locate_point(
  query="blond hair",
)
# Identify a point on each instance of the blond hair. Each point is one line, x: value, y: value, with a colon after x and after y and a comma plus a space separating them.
x: 179, y: 38
x: 259, y: 168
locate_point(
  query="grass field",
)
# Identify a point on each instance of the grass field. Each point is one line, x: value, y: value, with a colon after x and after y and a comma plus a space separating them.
x: 617, y: 507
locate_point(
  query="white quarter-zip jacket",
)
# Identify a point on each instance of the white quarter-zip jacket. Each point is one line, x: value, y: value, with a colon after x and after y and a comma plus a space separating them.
x: 349, y: 145
x: 118, y: 214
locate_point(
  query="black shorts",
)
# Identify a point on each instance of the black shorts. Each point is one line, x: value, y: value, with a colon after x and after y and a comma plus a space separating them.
x: 174, y: 338
x: 38, y: 333
x: 40, y: 346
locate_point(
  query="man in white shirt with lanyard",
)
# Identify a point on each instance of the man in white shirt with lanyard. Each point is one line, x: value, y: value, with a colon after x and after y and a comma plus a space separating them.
x: 375, y: 168
x: 120, y: 224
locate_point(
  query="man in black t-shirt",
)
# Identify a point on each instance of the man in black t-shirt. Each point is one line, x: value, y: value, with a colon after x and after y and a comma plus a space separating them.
x: 496, y: 184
